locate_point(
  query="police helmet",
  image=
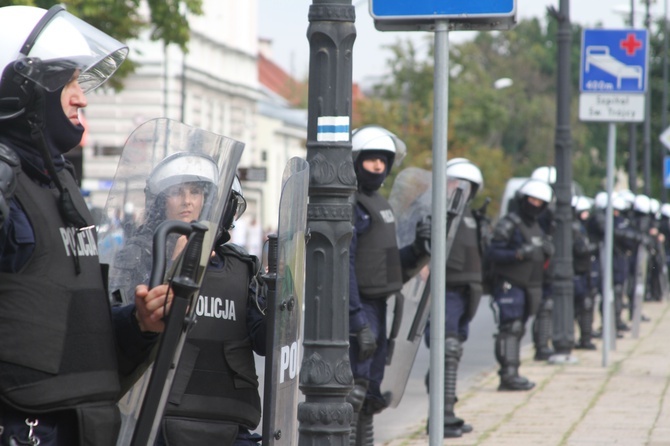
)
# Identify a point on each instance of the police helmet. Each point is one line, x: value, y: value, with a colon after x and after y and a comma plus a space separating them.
x: 655, y: 206
x: 373, y: 138
x: 537, y: 189
x: 642, y: 204
x: 628, y: 196
x: 619, y: 203
x: 581, y: 203
x: 464, y: 169
x: 180, y: 168
x: 46, y: 48
x: 601, y: 200
x: 665, y: 210
x: 545, y: 173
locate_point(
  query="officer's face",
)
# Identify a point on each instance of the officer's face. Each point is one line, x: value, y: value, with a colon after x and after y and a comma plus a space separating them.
x: 72, y: 99
x: 535, y: 202
x: 184, y: 202
x: 374, y: 165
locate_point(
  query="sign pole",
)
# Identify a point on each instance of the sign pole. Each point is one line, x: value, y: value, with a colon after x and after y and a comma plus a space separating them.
x: 609, y: 231
x: 438, y: 259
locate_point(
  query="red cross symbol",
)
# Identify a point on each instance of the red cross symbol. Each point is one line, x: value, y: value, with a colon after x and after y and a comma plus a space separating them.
x: 630, y: 44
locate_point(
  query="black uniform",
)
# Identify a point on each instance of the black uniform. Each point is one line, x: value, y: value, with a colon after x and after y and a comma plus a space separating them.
x: 214, y: 397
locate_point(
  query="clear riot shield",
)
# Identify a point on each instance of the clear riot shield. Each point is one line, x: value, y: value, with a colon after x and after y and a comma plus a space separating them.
x: 641, y: 271
x: 168, y: 172
x: 410, y: 198
x: 285, y: 310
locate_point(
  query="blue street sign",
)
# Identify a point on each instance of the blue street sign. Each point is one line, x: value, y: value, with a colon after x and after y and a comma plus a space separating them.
x: 666, y: 172
x: 439, y: 9
x: 614, y: 61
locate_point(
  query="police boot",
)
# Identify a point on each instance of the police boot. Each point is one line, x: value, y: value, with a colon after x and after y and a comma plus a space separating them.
x: 585, y: 322
x: 356, y: 398
x: 365, y: 435
x: 542, y: 331
x: 453, y: 425
x: 618, y: 309
x: 508, y: 354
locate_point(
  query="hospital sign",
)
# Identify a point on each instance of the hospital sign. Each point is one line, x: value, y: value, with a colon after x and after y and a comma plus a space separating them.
x: 614, y: 67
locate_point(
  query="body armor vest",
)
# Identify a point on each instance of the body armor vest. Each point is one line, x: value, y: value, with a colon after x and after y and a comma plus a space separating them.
x: 464, y: 265
x: 581, y: 258
x: 529, y: 272
x: 216, y: 377
x: 378, y: 268
x: 57, y: 348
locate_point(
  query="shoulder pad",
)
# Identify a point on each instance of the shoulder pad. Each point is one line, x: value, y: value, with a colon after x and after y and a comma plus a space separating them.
x: 505, y: 227
x: 237, y: 251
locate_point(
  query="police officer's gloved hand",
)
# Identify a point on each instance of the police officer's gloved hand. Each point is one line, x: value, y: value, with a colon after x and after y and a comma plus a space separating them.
x: 366, y: 343
x: 421, y: 245
x: 9, y: 166
x: 525, y: 252
x: 548, y: 248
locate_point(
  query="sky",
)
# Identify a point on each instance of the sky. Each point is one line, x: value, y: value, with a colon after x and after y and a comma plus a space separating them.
x: 285, y: 23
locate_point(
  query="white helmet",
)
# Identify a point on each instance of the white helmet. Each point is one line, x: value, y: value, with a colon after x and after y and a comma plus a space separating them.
x: 545, y: 173
x: 642, y: 204
x: 463, y: 169
x: 619, y: 203
x: 179, y: 168
x: 48, y: 47
x: 374, y: 138
x: 628, y: 196
x: 655, y: 205
x: 601, y: 200
x: 665, y: 210
x: 537, y: 189
x: 581, y: 204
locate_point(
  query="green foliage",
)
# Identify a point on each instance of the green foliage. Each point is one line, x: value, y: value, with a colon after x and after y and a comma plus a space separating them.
x: 507, y: 132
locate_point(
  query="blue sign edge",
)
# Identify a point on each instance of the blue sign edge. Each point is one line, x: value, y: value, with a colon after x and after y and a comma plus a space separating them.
x: 432, y: 17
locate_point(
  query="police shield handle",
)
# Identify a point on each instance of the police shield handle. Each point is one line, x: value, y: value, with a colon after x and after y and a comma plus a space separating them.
x: 185, y: 286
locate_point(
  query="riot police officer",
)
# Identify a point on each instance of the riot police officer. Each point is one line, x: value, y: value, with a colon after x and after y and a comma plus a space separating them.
x: 583, y: 256
x: 376, y: 271
x: 462, y: 294
x: 62, y: 351
x: 518, y: 252
x: 214, y: 397
x: 177, y: 189
x: 542, y: 323
x: 625, y: 238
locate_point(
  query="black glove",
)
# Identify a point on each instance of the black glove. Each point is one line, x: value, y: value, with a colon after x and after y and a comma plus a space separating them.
x: 366, y: 343
x: 525, y: 252
x: 548, y: 247
x: 9, y: 166
x: 421, y: 245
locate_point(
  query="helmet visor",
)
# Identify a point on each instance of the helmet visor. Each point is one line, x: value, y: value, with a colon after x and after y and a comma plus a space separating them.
x: 61, y: 44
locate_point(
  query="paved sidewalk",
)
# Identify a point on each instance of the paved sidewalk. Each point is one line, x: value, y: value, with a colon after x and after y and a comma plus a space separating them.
x: 583, y: 404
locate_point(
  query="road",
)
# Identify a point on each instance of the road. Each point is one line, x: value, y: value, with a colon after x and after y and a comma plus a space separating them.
x: 478, y: 359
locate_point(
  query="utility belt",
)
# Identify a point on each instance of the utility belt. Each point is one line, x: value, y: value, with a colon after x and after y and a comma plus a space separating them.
x: 19, y: 428
x: 85, y: 426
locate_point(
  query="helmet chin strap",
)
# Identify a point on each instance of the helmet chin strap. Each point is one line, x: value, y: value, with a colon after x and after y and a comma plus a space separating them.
x: 66, y: 206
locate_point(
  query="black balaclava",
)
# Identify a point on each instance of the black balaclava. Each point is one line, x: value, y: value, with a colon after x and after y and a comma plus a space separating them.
x: 368, y: 181
x: 528, y: 212
x: 59, y: 133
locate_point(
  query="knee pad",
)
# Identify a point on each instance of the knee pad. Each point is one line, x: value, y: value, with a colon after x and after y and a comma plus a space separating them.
x: 547, y: 304
x: 452, y: 347
x: 588, y: 303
